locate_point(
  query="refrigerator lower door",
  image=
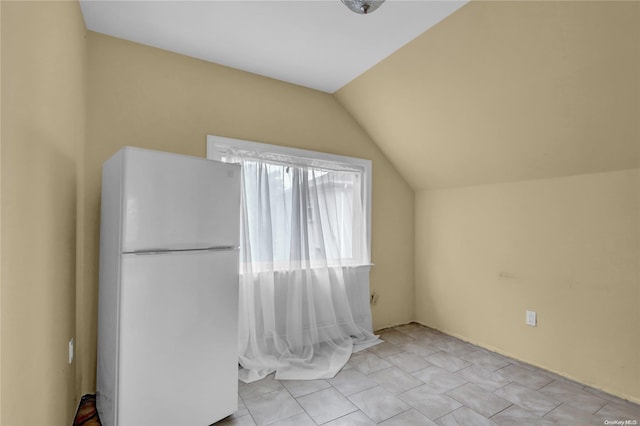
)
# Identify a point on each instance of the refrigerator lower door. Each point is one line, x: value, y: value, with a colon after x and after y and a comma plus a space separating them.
x: 178, y: 361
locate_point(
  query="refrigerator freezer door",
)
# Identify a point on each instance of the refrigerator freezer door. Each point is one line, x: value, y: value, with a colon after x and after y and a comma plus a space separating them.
x: 173, y: 202
x: 178, y: 360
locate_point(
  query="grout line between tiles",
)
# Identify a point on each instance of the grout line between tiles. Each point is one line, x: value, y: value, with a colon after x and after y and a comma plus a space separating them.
x: 504, y: 409
x: 300, y: 405
x: 395, y: 415
x: 248, y: 411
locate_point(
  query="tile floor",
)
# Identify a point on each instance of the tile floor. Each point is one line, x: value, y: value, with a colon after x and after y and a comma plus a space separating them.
x: 420, y: 376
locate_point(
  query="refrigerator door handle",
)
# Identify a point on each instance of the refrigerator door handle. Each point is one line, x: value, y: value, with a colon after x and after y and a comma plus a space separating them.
x: 165, y: 251
x: 223, y: 248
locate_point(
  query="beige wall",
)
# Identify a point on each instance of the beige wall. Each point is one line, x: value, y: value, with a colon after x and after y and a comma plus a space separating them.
x: 568, y: 248
x: 150, y: 98
x: 503, y: 91
x: 43, y: 125
x: 0, y: 217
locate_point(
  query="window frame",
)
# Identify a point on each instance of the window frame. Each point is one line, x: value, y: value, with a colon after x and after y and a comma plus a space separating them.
x: 217, y: 146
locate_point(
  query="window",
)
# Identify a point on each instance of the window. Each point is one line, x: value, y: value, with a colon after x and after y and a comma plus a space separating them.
x: 301, y: 207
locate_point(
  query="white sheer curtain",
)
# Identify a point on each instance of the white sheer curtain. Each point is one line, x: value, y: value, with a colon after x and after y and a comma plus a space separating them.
x: 304, y: 270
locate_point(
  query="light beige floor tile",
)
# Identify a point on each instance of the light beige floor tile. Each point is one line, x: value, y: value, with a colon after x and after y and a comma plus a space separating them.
x: 394, y: 380
x: 368, y: 363
x: 485, y: 359
x: 479, y: 399
x: 325, y: 405
x: 303, y: 387
x: 413, y: 329
x: 517, y: 416
x: 453, y: 345
x: 565, y: 414
x: 431, y: 339
x: 524, y: 376
x: 351, y: 381
x: 301, y: 419
x: 438, y: 379
x: 464, y: 417
x: 614, y: 411
x: 395, y: 337
x: 447, y: 361
x: 484, y: 378
x: 408, y: 418
x: 378, y: 404
x: 382, y: 378
x: 357, y: 418
x: 266, y: 385
x: 273, y: 406
x: 242, y: 409
x: 419, y: 348
x: 429, y: 403
x: 408, y: 362
x: 529, y: 399
x: 384, y: 349
x: 573, y: 395
x: 524, y: 365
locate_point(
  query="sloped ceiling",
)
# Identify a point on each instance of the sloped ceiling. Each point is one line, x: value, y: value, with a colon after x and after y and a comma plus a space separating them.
x: 315, y: 43
x: 508, y: 91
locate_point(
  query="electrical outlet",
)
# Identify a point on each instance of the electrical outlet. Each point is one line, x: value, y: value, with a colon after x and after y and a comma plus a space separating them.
x: 71, y: 350
x: 531, y: 319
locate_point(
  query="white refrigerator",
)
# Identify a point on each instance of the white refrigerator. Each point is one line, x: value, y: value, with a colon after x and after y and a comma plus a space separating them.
x: 168, y: 291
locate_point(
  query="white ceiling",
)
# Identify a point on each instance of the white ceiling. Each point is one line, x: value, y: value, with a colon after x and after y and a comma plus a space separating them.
x: 318, y: 44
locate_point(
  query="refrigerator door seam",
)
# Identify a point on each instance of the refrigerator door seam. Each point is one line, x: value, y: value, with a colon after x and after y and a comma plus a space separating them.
x: 162, y: 251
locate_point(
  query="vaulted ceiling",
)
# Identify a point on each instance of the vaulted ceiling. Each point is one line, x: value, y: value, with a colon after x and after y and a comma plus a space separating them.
x: 319, y: 44
x: 496, y: 92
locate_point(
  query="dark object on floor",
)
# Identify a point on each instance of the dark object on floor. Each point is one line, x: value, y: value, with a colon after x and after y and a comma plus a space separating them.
x: 87, y: 414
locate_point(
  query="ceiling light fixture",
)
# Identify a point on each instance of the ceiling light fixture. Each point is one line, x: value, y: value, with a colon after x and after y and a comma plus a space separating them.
x: 362, y: 6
